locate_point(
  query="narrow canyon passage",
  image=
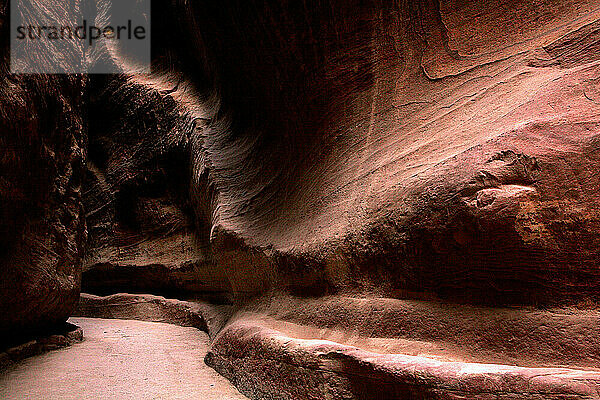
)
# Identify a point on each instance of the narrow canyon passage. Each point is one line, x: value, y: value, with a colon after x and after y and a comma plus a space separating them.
x: 121, y: 359
x: 332, y: 199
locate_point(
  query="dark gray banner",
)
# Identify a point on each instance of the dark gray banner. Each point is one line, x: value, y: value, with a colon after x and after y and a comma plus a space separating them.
x: 82, y: 36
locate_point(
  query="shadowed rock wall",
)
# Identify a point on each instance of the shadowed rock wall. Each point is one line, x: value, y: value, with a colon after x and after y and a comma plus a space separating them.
x: 43, y: 144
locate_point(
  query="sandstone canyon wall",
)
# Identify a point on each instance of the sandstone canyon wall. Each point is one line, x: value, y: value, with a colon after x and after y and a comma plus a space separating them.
x: 43, y: 141
x: 417, y: 149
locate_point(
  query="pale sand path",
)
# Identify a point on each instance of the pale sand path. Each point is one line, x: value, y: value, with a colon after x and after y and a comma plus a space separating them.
x: 121, y: 359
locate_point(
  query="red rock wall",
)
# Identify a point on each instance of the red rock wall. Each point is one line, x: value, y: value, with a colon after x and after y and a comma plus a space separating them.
x: 412, y: 149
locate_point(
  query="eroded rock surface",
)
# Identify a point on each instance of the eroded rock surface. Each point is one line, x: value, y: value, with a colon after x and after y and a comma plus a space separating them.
x: 403, y: 150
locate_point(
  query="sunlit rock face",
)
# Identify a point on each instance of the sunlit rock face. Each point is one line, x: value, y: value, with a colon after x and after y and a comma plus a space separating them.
x: 423, y: 150
x: 42, y: 224
x: 409, y: 149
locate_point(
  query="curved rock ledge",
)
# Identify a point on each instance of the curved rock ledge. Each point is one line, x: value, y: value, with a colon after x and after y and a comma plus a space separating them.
x: 265, y: 364
x: 560, y: 337
x: 206, y: 317
x: 69, y: 335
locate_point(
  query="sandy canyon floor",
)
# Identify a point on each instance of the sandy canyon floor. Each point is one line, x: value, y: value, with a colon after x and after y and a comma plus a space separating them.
x: 121, y: 359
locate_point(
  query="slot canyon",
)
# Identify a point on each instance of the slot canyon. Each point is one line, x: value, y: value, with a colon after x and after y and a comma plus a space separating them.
x: 317, y: 199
